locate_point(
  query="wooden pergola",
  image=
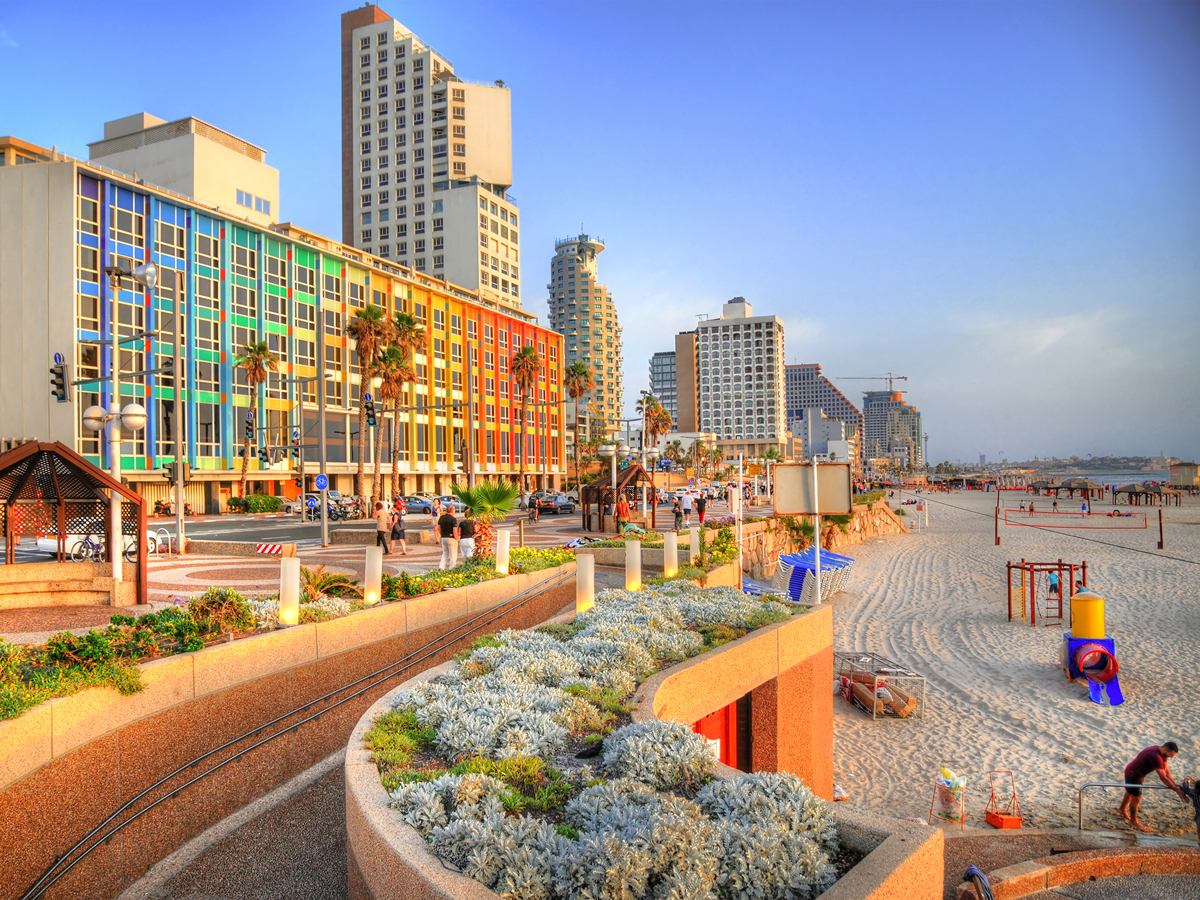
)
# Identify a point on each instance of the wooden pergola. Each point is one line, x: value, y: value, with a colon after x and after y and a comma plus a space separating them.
x: 50, y: 490
x: 629, y: 482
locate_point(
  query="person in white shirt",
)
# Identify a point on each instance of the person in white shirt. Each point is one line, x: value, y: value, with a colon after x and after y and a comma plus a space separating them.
x: 687, y: 509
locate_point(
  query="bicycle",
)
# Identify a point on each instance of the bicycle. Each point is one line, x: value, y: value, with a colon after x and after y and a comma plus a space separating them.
x: 87, y: 550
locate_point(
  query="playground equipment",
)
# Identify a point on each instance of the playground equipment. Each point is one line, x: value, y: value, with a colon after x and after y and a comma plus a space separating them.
x: 1037, y: 582
x: 1088, y: 653
x: 878, y: 686
x: 1010, y: 815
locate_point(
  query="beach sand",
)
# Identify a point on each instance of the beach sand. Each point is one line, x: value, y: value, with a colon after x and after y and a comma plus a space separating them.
x: 935, y: 601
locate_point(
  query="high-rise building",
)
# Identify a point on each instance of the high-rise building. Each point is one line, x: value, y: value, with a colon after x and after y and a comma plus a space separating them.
x: 582, y: 309
x: 741, y: 380
x: 662, y: 382
x: 807, y: 388
x: 235, y: 280
x: 891, y: 428
x: 426, y: 160
x: 687, y: 382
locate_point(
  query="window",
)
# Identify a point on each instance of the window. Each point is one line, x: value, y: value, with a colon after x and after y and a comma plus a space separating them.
x: 364, y: 78
x: 364, y: 44
x: 364, y: 112
x: 400, y: 87
x: 365, y: 165
x: 382, y: 56
x: 399, y: 68
x: 460, y: 149
x: 438, y: 262
x: 381, y: 38
x: 169, y: 240
x: 262, y: 206
x: 460, y: 131
x: 383, y: 143
x: 399, y: 103
x: 418, y: 65
x: 364, y: 95
x: 364, y: 60
x: 459, y: 112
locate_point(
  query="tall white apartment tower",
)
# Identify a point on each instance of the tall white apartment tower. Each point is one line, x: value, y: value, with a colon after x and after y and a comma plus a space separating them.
x: 582, y: 309
x: 426, y: 160
x: 741, y: 380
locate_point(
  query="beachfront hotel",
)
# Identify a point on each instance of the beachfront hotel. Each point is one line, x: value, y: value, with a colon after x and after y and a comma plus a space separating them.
x: 236, y: 275
x: 740, y: 359
x: 426, y: 160
x: 891, y: 429
x: 582, y: 310
x: 663, y: 382
x: 806, y: 388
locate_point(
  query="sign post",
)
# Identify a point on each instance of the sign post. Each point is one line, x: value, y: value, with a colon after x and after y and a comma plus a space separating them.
x: 322, y: 484
x: 814, y: 489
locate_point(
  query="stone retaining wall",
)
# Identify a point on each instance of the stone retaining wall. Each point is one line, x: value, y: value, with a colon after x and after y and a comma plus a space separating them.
x: 237, y: 548
x: 1037, y: 875
x: 66, y: 584
x: 69, y: 763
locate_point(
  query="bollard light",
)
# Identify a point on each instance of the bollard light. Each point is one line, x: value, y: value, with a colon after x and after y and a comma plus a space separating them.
x: 585, y: 582
x: 373, y: 582
x: 694, y: 546
x: 633, y: 565
x: 503, y: 537
x: 289, y: 591
x: 670, y: 554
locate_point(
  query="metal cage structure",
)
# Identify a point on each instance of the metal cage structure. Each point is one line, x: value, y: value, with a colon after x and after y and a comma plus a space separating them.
x: 881, y: 688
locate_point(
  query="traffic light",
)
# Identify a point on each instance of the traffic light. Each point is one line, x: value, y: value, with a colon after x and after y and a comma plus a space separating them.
x: 295, y: 443
x: 462, y: 453
x: 170, y: 473
x: 249, y: 426
x: 173, y: 471
x: 263, y: 456
x: 370, y: 405
x: 299, y: 482
x: 58, y: 383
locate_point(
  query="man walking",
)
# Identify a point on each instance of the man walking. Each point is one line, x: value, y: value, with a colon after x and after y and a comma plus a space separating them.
x: 447, y: 527
x: 1152, y: 759
x: 687, y: 508
x: 466, y: 537
x: 383, y: 524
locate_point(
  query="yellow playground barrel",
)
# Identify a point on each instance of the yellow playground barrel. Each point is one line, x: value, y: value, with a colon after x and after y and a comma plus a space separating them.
x: 1087, y: 615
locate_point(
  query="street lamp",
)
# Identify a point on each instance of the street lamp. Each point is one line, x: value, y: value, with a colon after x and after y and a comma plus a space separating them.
x: 147, y: 276
x: 652, y: 456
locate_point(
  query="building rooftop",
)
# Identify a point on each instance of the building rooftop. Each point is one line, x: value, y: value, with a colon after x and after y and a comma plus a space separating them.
x: 142, y: 129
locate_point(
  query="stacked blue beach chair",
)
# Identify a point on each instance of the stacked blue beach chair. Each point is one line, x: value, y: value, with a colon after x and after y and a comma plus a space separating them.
x: 795, y: 576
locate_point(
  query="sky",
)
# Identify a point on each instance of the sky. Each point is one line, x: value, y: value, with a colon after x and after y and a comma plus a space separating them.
x: 999, y: 201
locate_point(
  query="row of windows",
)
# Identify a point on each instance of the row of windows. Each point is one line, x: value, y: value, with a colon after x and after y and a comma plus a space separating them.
x: 250, y: 201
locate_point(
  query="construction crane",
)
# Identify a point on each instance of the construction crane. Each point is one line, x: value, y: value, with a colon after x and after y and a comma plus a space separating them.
x: 889, y: 378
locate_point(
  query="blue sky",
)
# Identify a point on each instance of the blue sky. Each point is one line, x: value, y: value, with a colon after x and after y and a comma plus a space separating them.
x: 1000, y: 201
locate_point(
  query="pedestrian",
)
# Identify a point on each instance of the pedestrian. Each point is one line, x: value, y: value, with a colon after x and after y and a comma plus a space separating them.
x: 1084, y: 510
x: 382, y: 526
x: 1054, y: 505
x: 687, y: 508
x: 398, y: 511
x: 678, y: 510
x: 447, y: 527
x: 1054, y: 586
x: 435, y: 509
x: 701, y: 504
x: 466, y: 536
x: 1022, y: 506
x: 1152, y: 759
x: 622, y: 514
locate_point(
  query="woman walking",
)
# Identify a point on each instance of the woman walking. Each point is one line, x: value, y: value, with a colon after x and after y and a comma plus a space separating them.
x: 398, y: 511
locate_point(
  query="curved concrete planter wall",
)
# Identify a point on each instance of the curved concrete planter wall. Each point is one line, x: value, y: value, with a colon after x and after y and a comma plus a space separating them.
x: 69, y: 763
x: 792, y: 661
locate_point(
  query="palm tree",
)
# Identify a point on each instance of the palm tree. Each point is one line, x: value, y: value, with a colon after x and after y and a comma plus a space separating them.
x: 409, y: 335
x: 370, y: 330
x: 656, y: 419
x: 256, y: 361
x: 578, y: 380
x: 526, y: 364
x: 394, y: 371
x: 486, y: 502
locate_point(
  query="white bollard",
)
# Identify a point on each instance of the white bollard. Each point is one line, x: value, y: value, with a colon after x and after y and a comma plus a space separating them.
x: 289, y: 591
x: 670, y: 554
x: 694, y: 546
x: 633, y: 565
x: 503, y: 537
x: 585, y: 582
x: 373, y: 580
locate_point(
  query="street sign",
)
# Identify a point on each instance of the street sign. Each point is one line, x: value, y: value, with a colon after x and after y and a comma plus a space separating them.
x: 794, y: 489
x: 312, y: 502
x: 322, y: 482
x: 753, y: 469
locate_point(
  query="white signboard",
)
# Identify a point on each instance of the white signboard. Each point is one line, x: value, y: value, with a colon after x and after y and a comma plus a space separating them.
x: 794, y: 489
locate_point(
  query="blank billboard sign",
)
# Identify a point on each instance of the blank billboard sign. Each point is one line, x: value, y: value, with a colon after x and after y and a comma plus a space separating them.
x: 794, y: 489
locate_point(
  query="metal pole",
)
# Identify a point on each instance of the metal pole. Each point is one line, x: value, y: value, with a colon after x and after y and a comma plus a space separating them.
x: 180, y: 416
x: 470, y: 423
x: 114, y: 433
x: 816, y: 531
x: 1160, y: 530
x: 642, y: 442
x: 323, y: 453
x: 740, y: 499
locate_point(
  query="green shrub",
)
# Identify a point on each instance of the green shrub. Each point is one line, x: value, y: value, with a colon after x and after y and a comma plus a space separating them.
x: 238, y: 505
x: 221, y: 610
x: 263, y: 503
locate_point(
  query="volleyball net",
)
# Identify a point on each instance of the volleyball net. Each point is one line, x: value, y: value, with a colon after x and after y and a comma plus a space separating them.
x: 1059, y: 518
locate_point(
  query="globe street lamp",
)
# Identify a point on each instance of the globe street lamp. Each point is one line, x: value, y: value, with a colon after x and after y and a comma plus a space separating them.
x: 132, y: 418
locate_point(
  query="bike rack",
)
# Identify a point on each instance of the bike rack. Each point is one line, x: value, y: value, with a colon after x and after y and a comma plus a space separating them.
x: 1107, y: 784
x: 158, y: 541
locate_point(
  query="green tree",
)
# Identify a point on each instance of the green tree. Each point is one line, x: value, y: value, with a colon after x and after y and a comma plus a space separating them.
x: 526, y: 365
x: 256, y: 361
x: 394, y: 371
x: 485, y: 503
x: 578, y: 380
x: 370, y: 330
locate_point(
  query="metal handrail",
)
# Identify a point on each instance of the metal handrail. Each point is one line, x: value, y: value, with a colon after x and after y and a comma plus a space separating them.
x: 1108, y: 784
x: 61, y: 866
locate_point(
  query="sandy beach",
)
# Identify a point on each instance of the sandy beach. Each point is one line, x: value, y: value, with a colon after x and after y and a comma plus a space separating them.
x: 935, y: 601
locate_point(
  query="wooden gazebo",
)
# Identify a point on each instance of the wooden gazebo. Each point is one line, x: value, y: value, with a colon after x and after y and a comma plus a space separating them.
x: 599, y: 492
x: 1165, y: 495
x: 49, y: 490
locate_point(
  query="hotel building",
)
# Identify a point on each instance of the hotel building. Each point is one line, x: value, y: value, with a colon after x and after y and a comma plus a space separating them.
x: 807, y: 388
x: 891, y: 428
x: 235, y: 276
x: 426, y: 160
x: 662, y: 383
x: 582, y: 309
x: 740, y: 357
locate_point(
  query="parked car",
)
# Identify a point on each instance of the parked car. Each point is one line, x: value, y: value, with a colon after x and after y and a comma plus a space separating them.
x: 418, y: 505
x: 553, y: 502
x: 300, y: 503
x: 449, y: 501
